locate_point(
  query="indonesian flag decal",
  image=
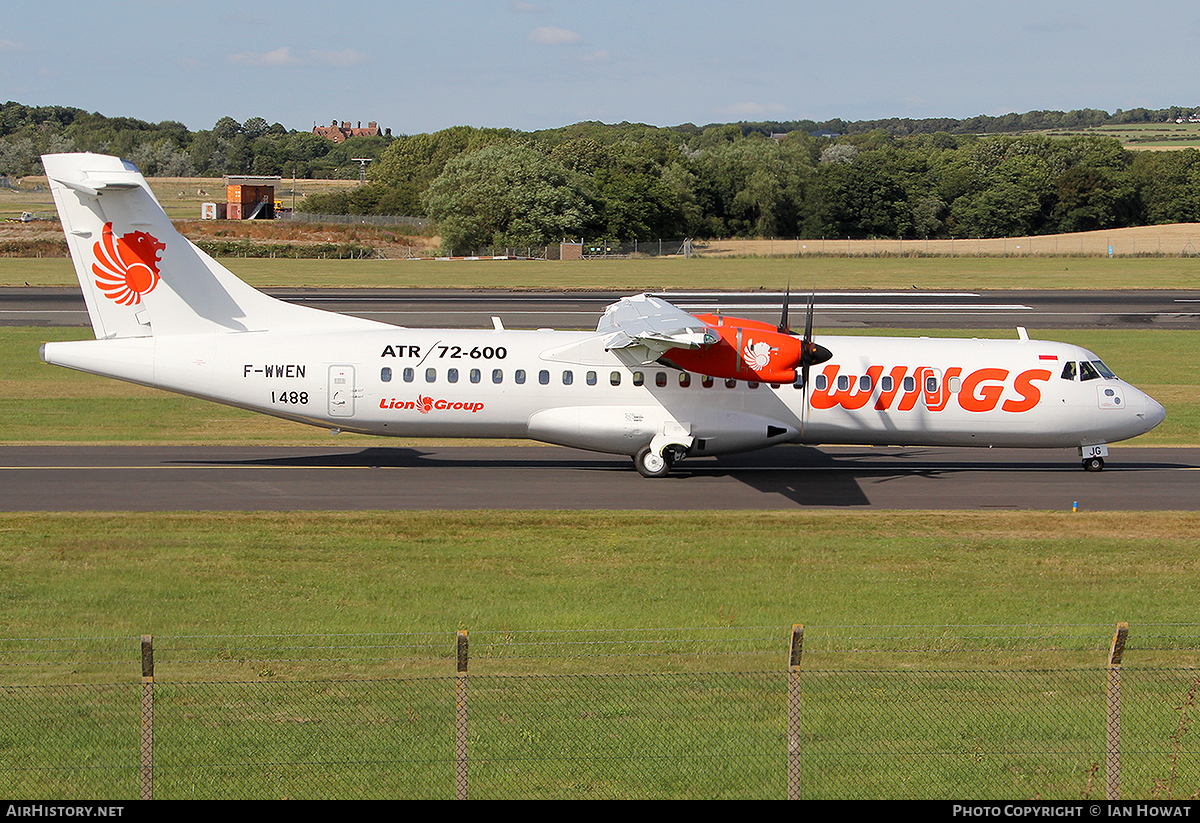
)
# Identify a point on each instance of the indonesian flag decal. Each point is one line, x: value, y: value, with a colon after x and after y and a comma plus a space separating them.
x: 126, y: 267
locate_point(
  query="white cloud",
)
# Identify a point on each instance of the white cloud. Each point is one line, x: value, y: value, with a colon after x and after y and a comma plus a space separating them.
x: 551, y: 36
x: 8, y: 45
x: 278, y: 57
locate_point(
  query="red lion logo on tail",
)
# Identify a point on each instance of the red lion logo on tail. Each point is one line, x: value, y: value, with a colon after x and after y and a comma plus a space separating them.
x: 126, y: 267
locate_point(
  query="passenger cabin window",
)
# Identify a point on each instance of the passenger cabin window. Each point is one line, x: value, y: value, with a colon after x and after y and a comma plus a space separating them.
x: 1068, y: 372
x: 497, y: 375
x: 430, y: 375
x: 451, y: 375
x: 568, y: 378
x: 660, y: 379
x: 730, y: 384
x: 886, y: 383
x: 615, y: 378
x: 475, y: 375
x: 910, y: 383
x: 685, y: 380
x: 519, y: 376
x: 591, y: 378
x: 544, y: 377
x: 408, y: 375
x: 385, y: 374
x: 707, y: 382
x: 843, y: 382
x: 822, y: 382
x: 864, y: 383
x: 931, y: 384
x: 638, y: 378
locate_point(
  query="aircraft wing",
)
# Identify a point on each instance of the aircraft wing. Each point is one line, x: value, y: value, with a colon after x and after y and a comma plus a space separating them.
x: 653, y: 324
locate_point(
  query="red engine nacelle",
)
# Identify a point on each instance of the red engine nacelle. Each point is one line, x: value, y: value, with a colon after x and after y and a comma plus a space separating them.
x: 746, y: 350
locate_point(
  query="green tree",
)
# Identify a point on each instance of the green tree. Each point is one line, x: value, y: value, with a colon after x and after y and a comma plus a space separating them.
x: 754, y: 186
x: 505, y: 194
x: 1168, y: 185
x: 410, y: 164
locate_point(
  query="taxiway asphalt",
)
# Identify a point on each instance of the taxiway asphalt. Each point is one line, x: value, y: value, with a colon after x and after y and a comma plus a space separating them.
x: 834, y: 311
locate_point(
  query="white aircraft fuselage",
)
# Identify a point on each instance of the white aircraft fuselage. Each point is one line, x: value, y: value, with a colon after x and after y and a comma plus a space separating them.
x: 170, y: 317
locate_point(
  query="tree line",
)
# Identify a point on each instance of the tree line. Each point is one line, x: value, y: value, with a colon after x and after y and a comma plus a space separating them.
x: 170, y: 149
x: 497, y: 187
x: 908, y: 179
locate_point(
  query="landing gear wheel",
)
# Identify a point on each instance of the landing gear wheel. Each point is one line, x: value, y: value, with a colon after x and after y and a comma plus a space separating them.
x: 650, y: 463
x: 1093, y: 464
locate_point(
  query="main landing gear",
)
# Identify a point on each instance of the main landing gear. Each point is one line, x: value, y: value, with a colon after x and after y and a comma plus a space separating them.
x: 650, y: 462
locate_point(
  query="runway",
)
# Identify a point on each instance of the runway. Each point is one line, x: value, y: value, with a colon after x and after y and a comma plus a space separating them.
x: 122, y: 478
x: 833, y: 311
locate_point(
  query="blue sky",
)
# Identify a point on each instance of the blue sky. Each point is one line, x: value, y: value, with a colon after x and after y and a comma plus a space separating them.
x: 421, y: 66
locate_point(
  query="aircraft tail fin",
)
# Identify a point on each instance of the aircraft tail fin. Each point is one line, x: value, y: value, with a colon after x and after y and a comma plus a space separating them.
x: 139, y: 276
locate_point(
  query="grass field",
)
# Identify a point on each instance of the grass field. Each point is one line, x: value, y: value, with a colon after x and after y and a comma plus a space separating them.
x: 1153, y: 136
x: 231, y: 598
x: 252, y: 574
x: 181, y: 197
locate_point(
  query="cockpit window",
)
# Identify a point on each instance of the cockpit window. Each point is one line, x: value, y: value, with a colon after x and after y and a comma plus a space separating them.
x: 1068, y: 372
x: 1087, y: 371
x: 1104, y: 370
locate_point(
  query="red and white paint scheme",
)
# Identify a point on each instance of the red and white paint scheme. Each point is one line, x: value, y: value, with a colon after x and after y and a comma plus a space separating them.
x: 652, y: 381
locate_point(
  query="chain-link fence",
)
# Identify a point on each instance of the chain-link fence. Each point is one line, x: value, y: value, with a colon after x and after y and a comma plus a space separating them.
x: 728, y: 713
x: 1171, y: 241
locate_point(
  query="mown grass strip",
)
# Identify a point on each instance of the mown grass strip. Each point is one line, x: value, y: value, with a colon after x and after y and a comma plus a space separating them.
x: 250, y: 574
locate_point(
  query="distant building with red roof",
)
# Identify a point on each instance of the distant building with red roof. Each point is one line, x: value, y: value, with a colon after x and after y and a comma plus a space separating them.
x: 340, y: 132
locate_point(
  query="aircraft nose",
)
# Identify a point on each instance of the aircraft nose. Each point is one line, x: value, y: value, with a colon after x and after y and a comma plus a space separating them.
x: 1153, y: 412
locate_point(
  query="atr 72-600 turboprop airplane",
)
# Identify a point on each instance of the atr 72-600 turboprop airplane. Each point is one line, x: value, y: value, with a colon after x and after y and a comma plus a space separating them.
x: 651, y: 381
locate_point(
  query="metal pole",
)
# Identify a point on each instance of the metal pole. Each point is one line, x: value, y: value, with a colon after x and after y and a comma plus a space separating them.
x: 460, y: 721
x: 147, y: 747
x: 793, y: 713
x: 1112, y: 789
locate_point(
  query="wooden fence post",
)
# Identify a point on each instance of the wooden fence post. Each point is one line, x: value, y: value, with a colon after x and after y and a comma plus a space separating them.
x: 460, y: 721
x: 793, y: 713
x: 147, y: 747
x: 1113, y: 754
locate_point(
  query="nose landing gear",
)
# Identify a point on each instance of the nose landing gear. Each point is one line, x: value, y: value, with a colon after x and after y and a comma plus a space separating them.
x: 1093, y: 456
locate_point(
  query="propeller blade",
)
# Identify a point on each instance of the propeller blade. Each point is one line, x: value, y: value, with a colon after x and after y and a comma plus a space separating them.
x: 808, y: 320
x: 810, y: 354
x: 783, y: 320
